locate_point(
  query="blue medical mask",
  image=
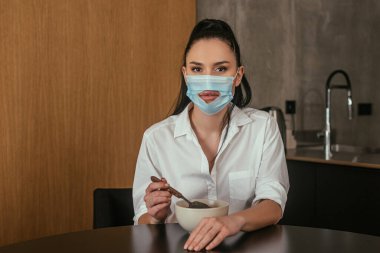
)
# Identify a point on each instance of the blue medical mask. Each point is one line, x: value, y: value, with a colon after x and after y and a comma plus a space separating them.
x: 198, y: 83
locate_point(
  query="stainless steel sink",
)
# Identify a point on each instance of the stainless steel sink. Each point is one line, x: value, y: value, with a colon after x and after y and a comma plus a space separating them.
x: 354, y: 149
x: 343, y: 148
x: 340, y: 152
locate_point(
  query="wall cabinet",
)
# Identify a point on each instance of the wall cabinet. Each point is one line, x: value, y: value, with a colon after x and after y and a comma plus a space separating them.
x: 80, y: 81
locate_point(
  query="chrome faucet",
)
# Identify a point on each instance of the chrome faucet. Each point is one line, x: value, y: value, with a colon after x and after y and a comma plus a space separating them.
x: 329, y: 87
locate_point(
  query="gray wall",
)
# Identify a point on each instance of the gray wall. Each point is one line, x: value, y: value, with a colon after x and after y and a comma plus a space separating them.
x: 289, y: 48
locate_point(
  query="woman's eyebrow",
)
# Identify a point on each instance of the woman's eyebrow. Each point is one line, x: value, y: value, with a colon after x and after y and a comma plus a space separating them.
x: 196, y: 63
x: 220, y: 62
x: 214, y: 64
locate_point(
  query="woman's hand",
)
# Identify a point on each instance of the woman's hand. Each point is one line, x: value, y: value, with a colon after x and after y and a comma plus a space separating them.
x: 210, y: 232
x: 157, y: 200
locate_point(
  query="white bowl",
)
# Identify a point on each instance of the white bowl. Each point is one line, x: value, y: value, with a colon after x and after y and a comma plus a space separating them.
x: 189, y: 218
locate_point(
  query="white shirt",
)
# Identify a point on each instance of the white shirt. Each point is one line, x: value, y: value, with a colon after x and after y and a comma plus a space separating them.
x: 250, y: 165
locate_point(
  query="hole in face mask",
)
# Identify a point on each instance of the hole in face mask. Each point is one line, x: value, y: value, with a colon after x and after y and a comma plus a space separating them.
x: 209, y: 95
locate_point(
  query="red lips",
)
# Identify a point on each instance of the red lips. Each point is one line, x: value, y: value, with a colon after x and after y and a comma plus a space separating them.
x: 209, y: 95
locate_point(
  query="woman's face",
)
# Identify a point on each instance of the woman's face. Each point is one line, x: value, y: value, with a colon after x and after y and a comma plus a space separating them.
x: 212, y: 57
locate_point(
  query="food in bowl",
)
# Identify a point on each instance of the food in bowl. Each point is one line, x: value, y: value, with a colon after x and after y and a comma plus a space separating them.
x: 189, y: 218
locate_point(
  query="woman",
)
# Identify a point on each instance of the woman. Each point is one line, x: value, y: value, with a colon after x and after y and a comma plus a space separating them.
x: 212, y: 147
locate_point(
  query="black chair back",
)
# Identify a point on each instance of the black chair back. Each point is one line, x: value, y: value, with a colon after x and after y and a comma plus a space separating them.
x: 113, y: 207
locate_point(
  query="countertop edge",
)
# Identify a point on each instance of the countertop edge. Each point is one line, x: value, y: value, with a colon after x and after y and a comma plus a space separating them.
x: 336, y: 162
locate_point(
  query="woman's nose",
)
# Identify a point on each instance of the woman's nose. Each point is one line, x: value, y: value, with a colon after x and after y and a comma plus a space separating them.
x: 207, y: 71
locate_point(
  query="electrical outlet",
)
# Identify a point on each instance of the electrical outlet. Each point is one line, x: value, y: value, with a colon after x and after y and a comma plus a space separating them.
x: 364, y: 109
x: 290, y: 106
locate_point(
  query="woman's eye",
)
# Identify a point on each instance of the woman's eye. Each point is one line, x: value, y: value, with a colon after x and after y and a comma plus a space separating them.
x: 195, y: 69
x: 221, y: 69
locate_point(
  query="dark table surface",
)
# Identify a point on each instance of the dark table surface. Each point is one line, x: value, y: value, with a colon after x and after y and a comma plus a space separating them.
x: 171, y: 238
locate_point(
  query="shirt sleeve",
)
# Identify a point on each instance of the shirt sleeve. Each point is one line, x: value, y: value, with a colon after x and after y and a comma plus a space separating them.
x: 144, y: 170
x: 272, y: 180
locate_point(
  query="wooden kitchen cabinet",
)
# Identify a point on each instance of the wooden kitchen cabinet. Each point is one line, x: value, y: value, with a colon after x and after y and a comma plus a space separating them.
x: 80, y: 81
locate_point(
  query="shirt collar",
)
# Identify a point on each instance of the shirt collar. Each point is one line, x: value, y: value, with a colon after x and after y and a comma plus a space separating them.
x: 239, y: 117
x: 183, y: 126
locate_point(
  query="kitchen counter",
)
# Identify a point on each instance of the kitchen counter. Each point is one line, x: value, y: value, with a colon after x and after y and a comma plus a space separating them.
x: 371, y: 161
x: 334, y: 194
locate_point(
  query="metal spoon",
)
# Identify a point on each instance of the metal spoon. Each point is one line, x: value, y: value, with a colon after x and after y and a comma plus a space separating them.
x: 192, y: 204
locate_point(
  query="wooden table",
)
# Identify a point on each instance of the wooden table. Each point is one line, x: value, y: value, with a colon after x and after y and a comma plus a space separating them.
x: 171, y: 238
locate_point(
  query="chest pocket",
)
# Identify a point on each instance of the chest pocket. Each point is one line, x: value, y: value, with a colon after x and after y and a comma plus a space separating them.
x: 241, y: 184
